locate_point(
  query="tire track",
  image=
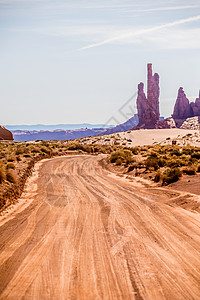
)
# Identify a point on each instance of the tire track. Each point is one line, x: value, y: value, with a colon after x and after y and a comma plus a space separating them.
x: 87, y: 235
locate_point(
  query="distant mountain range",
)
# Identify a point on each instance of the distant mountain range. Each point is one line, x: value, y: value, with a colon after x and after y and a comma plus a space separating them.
x: 39, y: 127
x: 84, y: 130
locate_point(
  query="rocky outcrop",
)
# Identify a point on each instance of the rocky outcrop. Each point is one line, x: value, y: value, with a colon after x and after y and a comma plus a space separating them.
x: 183, y: 109
x: 191, y: 123
x: 195, y: 107
x: 5, y: 134
x: 148, y: 107
x: 165, y: 124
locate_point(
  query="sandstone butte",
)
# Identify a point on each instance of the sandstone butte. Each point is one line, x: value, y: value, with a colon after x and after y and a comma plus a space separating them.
x: 148, y: 107
x: 5, y: 134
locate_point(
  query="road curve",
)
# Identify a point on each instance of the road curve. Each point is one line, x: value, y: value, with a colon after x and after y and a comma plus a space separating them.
x: 89, y: 235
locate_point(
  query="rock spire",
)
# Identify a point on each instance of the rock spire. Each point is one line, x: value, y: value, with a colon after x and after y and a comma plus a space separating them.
x: 148, y: 107
x: 183, y: 109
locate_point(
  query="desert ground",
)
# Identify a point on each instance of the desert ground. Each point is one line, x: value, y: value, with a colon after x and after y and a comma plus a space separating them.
x: 143, y: 137
x: 82, y: 232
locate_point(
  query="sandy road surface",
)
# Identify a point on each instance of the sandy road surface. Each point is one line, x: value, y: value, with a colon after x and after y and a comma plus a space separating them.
x: 90, y: 235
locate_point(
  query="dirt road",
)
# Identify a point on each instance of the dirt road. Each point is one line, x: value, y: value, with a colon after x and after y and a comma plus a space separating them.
x: 87, y: 234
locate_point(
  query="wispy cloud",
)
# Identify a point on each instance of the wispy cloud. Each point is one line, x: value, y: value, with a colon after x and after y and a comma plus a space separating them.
x: 140, y: 32
x: 132, y: 7
x: 171, y: 39
x: 166, y: 8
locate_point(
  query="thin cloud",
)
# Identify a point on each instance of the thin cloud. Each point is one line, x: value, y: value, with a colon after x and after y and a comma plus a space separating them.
x: 140, y: 32
x: 165, y: 8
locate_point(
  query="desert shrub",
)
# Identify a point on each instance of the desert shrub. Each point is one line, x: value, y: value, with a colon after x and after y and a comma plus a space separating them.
x: 18, y: 152
x: 153, y: 154
x: 18, y: 158
x: 176, y: 162
x: 131, y: 168
x: 187, y: 150
x: 161, y: 162
x: 119, y: 162
x: 10, y: 177
x: 2, y: 174
x: 45, y: 150
x: 159, y: 149
x: 198, y: 168
x: 128, y: 160
x: 75, y: 146
x: 2, y: 154
x: 176, y: 152
x: 137, y: 173
x: 11, y: 158
x: 27, y: 155
x: 151, y: 162
x: 45, y: 143
x: 95, y: 149
x: 143, y: 149
x: 115, y: 156
x: 35, y: 150
x: 158, y: 176
x: 124, y: 155
x: 171, y: 175
x: 21, y: 149
x: 192, y: 160
x: 91, y: 149
x: 189, y: 171
x: 43, y: 154
x: 196, y: 155
x: 10, y: 165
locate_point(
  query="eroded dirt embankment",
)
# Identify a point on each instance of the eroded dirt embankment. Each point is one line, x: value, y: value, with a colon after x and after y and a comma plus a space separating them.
x: 84, y: 233
x: 10, y: 193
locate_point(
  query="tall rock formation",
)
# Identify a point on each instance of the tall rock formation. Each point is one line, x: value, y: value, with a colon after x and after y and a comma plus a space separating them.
x: 195, y: 107
x: 182, y: 106
x: 141, y: 104
x: 183, y: 109
x: 148, y: 107
x: 5, y: 134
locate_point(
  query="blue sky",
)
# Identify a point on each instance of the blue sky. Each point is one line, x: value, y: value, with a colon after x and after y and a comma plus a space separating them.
x: 80, y: 61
